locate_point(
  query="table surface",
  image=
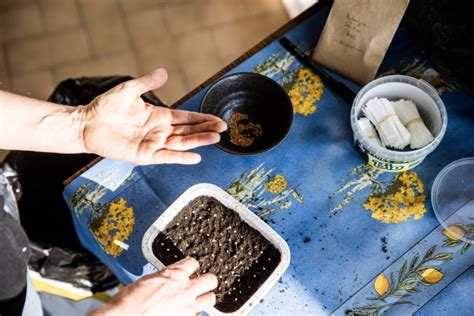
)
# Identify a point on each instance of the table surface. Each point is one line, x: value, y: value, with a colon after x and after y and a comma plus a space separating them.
x: 347, y: 254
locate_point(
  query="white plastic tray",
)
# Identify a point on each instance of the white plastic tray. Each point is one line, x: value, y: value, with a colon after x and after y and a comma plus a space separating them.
x: 246, y: 215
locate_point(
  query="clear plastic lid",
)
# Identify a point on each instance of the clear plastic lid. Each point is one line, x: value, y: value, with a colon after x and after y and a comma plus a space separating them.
x: 452, y: 197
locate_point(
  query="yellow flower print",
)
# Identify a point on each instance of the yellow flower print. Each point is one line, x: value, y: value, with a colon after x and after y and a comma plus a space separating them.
x: 253, y: 188
x: 115, y: 227
x: 403, y: 198
x: 432, y: 276
x: 277, y: 184
x: 381, y: 284
x: 306, y: 90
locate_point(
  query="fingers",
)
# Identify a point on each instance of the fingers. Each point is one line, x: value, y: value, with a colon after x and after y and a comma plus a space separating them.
x: 179, y: 157
x: 187, y: 117
x: 154, y: 80
x: 204, y: 283
x: 192, y: 141
x: 189, y: 265
x: 213, y: 126
x: 206, y: 300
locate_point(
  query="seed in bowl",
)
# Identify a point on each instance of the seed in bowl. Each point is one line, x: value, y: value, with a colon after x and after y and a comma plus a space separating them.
x: 243, y: 134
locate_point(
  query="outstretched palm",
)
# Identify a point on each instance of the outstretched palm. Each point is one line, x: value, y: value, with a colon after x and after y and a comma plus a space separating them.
x: 120, y: 125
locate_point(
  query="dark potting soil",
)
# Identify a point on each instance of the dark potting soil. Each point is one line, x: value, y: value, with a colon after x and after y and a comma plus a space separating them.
x: 240, y: 257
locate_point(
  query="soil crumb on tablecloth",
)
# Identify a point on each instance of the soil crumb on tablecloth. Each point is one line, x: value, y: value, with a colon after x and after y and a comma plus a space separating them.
x: 240, y: 257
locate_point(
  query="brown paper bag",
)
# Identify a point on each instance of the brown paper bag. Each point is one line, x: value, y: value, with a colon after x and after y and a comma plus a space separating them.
x: 357, y: 35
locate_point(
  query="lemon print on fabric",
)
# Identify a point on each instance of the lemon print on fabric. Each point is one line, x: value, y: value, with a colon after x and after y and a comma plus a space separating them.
x: 277, y: 184
x: 454, y: 232
x: 405, y: 282
x: 113, y: 227
x: 381, y: 284
x: 431, y: 276
x: 305, y: 91
x: 402, y: 199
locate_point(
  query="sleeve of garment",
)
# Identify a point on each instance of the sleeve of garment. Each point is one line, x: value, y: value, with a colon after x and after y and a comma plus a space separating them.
x: 14, y: 256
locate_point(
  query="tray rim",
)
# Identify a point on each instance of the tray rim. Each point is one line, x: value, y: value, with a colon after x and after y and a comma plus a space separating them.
x: 245, y: 214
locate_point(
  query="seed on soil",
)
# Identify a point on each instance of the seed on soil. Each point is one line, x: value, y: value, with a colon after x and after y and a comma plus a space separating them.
x: 222, y: 242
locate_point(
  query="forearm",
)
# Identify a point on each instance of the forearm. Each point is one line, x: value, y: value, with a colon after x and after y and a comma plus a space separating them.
x: 29, y: 124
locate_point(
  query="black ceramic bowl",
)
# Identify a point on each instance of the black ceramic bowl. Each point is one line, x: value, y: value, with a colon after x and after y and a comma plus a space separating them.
x: 262, y: 99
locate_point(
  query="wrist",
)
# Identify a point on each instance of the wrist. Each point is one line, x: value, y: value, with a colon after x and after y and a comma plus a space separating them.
x: 78, y: 121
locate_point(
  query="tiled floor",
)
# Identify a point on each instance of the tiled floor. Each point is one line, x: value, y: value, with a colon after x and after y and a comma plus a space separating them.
x: 45, y: 41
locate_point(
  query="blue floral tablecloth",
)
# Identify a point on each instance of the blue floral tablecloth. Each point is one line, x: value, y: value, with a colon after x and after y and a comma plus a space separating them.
x: 361, y: 240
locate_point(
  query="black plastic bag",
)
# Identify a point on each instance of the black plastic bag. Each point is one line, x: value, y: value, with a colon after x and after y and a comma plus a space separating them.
x: 44, y: 213
x: 81, y: 91
x: 446, y: 28
x: 79, y: 269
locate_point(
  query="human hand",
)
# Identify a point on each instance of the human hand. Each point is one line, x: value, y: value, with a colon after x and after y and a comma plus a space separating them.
x: 168, y: 292
x: 119, y: 124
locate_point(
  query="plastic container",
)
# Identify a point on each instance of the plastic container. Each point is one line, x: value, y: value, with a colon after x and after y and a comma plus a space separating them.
x: 452, y: 197
x: 431, y: 109
x: 248, y: 216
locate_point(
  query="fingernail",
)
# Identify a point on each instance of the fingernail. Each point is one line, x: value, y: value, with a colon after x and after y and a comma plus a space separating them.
x: 224, y: 126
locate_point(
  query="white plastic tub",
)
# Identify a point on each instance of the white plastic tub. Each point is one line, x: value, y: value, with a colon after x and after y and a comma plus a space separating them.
x: 431, y: 109
x: 245, y: 214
